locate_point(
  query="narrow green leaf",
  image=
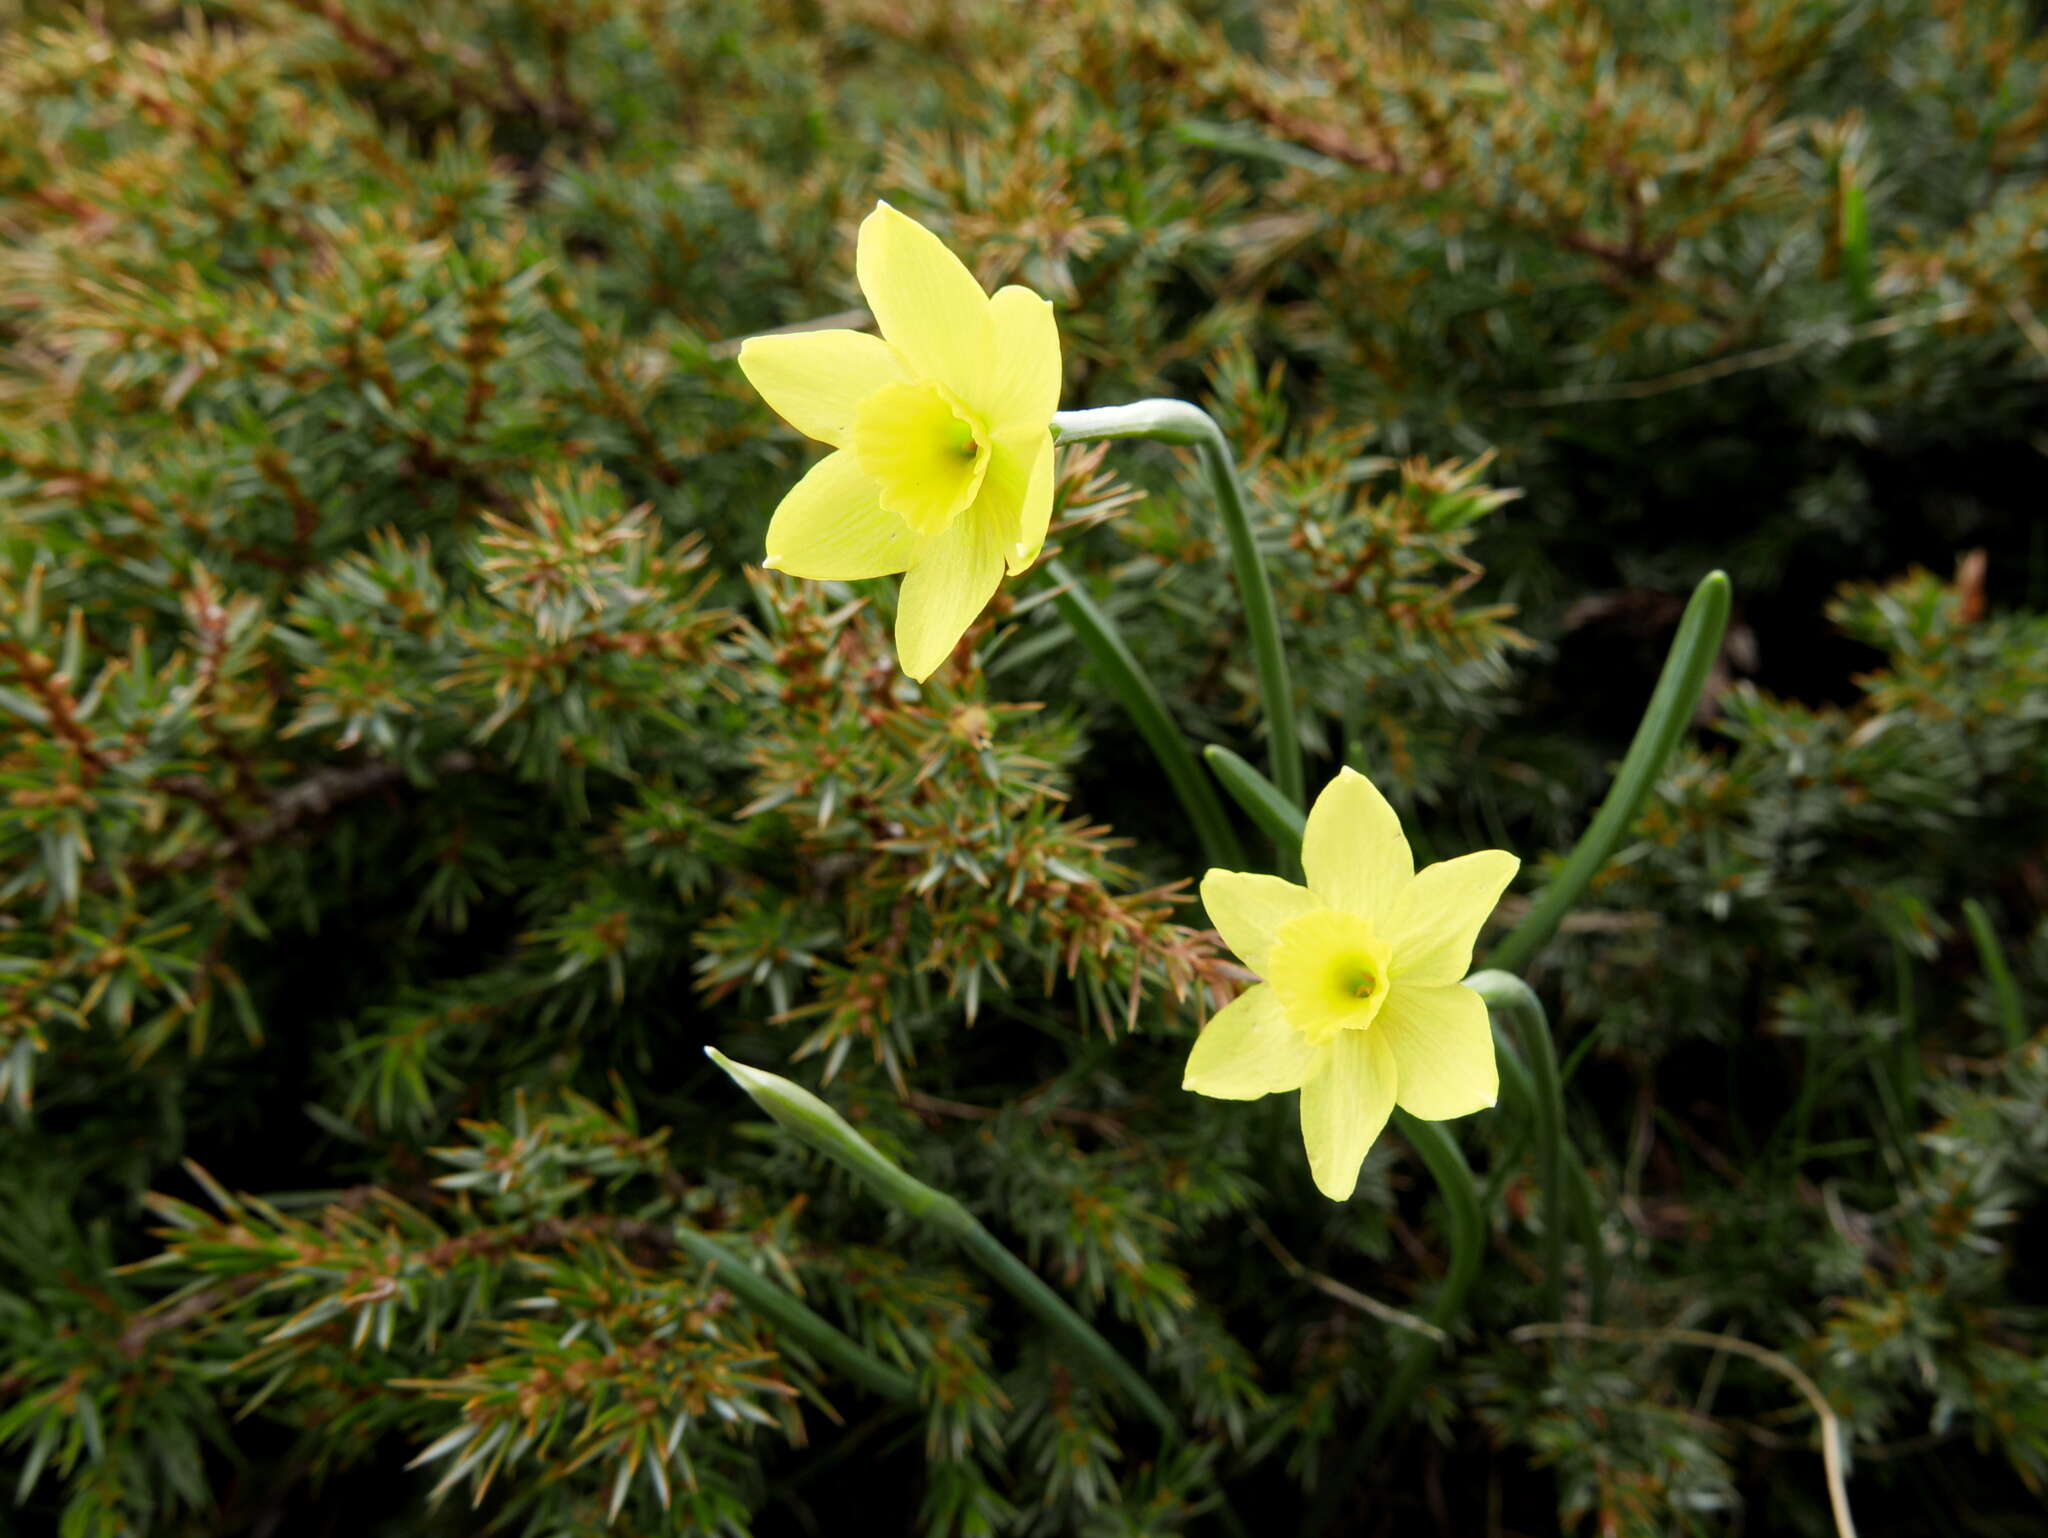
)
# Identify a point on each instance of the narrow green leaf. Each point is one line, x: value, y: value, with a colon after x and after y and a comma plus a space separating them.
x: 802, y: 1114
x: 1148, y: 711
x: 1664, y: 721
x: 791, y: 1318
x: 1278, y: 818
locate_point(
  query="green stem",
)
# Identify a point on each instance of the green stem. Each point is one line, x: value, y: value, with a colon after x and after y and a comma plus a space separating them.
x: 799, y: 1112
x: 792, y: 1319
x: 2012, y: 1016
x: 1148, y: 711
x: 1671, y: 706
x: 1025, y: 1286
x: 1514, y: 1072
x: 1508, y: 995
x: 1460, y: 1191
x: 1169, y: 421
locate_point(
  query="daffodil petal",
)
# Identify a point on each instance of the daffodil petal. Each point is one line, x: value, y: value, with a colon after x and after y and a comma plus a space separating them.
x: 1248, y: 1050
x: 1017, y: 493
x: 928, y: 305
x: 955, y: 576
x: 1344, y: 1104
x: 1442, y: 1045
x: 1024, y: 388
x: 832, y: 527
x: 1353, y: 851
x: 1330, y: 971
x: 1437, y: 916
x: 1248, y: 910
x: 815, y: 379
x: 921, y: 452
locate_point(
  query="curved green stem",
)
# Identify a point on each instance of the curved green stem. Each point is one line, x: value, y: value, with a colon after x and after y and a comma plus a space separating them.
x: 1460, y: 1191
x: 1671, y: 706
x: 1515, y: 1077
x: 799, y: 1112
x: 1026, y: 1287
x: 791, y: 1318
x: 1508, y: 995
x: 1148, y: 711
x: 1169, y: 421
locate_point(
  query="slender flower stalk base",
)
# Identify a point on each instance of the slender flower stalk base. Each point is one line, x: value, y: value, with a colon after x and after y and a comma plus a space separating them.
x: 1561, y: 1175
x: 1170, y: 421
x: 1459, y: 1188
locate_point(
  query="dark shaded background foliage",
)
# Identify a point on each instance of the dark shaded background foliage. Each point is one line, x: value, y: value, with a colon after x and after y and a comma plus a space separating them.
x: 405, y: 776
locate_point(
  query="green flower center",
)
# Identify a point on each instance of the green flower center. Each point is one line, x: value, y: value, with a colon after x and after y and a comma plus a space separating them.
x: 1330, y: 970
x: 926, y: 451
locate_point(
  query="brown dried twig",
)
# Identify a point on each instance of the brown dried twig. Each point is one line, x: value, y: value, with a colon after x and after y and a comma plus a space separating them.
x: 1784, y: 1367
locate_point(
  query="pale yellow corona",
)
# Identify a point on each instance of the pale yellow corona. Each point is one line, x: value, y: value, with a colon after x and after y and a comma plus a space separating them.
x: 941, y: 429
x: 1361, y: 1007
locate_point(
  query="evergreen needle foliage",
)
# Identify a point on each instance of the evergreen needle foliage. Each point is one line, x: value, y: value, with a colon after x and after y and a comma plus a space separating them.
x: 406, y: 770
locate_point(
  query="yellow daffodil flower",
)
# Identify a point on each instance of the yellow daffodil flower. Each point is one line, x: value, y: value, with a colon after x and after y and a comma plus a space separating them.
x: 941, y: 427
x: 1361, y: 1008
